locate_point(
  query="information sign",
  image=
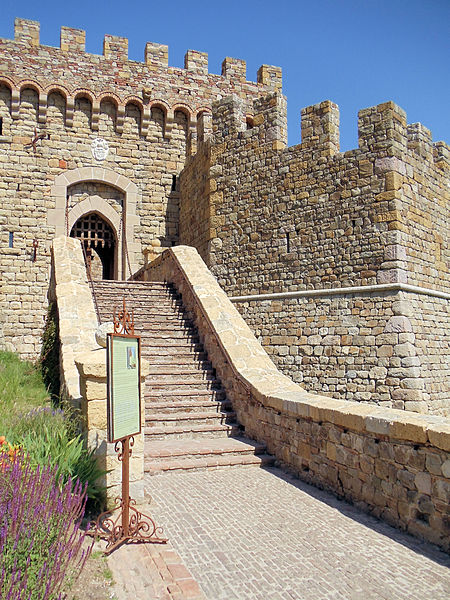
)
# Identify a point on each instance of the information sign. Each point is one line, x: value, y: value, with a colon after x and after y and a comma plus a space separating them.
x: 123, y: 384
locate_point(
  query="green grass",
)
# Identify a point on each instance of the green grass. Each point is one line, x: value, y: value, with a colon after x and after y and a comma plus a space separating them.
x: 21, y: 390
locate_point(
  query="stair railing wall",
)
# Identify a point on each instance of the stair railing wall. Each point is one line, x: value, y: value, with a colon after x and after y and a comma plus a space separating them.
x: 393, y: 464
x: 83, y: 365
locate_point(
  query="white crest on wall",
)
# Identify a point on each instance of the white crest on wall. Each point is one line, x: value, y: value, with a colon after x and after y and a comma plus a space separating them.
x: 100, y: 149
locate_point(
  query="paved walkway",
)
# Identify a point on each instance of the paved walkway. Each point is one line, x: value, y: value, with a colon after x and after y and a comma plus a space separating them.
x: 257, y: 534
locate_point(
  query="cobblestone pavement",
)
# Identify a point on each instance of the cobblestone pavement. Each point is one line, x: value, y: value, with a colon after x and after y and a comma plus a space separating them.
x: 257, y: 534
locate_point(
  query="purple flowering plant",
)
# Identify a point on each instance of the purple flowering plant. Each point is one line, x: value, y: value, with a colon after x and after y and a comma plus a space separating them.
x: 41, y: 541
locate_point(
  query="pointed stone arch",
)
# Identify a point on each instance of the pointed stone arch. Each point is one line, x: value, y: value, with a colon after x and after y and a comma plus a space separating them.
x: 62, y: 222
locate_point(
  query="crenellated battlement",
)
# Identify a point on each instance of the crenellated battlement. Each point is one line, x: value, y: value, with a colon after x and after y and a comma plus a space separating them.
x: 115, y: 48
x: 382, y: 129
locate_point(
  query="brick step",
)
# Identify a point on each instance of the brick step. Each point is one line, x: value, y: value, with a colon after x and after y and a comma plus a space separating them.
x: 160, y: 321
x: 139, y: 303
x: 175, y: 335
x: 192, y: 454
x: 139, y: 289
x: 191, y: 431
x: 190, y: 360
x: 187, y: 419
x: 180, y: 362
x: 187, y: 406
x: 202, y: 447
x: 160, y: 324
x: 202, y: 372
x: 160, y: 466
x: 153, y: 310
x: 153, y: 385
x: 196, y: 379
x: 174, y: 347
x: 177, y: 394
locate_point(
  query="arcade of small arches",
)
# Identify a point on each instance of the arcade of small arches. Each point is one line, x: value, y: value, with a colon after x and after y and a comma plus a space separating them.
x: 142, y: 112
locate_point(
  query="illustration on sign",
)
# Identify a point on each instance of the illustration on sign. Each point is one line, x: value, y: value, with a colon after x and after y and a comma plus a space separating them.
x: 131, y: 357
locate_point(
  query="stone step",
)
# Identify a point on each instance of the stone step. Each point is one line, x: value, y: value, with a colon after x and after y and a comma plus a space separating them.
x: 175, y: 348
x: 195, y: 454
x: 198, y: 379
x: 202, y: 447
x: 187, y: 406
x: 168, y: 384
x: 187, y: 419
x: 159, y: 467
x: 177, y: 395
x: 181, y: 371
x: 154, y: 312
x: 187, y: 413
x: 191, y: 431
x: 190, y: 360
x: 140, y: 301
x: 140, y: 305
x: 160, y: 323
x: 138, y: 289
x: 162, y: 336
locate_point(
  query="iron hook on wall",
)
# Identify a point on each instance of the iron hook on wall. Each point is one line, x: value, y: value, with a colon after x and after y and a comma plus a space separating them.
x: 35, y: 247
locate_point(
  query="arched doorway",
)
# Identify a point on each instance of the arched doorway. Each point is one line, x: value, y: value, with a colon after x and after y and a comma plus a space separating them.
x: 100, y: 245
x: 63, y: 217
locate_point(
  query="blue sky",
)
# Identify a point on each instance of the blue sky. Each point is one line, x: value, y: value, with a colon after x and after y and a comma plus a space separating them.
x: 357, y: 53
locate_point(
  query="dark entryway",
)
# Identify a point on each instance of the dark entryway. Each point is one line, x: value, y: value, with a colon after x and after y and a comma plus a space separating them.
x: 99, y: 244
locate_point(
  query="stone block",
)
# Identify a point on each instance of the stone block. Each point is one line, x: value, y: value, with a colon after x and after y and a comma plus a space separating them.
x: 439, y: 435
x: 96, y: 417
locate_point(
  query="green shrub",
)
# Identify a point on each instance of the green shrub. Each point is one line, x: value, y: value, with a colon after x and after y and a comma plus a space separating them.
x: 49, y: 359
x: 49, y: 435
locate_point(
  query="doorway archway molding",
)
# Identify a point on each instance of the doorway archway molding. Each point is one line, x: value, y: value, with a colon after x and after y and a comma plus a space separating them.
x: 57, y: 215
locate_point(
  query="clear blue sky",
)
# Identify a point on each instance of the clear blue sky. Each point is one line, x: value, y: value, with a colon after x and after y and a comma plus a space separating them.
x: 357, y: 53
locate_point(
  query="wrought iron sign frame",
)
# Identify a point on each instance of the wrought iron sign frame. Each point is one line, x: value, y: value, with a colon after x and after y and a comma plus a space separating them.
x: 124, y: 523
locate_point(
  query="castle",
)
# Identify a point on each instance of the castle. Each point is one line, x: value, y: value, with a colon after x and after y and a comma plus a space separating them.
x: 339, y: 262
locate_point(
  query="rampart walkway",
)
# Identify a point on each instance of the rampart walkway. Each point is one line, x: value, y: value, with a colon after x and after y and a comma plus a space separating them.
x: 257, y: 534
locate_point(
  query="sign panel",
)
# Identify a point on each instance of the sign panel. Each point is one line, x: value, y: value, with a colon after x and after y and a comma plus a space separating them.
x: 123, y: 354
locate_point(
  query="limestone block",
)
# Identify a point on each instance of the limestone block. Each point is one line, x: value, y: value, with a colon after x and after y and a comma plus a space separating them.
x: 409, y: 427
x: 96, y: 417
x: 439, y: 435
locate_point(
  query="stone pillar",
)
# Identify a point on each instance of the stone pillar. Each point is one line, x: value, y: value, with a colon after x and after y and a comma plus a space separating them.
x: 92, y: 370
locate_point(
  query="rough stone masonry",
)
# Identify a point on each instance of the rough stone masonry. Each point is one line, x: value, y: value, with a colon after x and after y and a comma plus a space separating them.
x: 339, y: 262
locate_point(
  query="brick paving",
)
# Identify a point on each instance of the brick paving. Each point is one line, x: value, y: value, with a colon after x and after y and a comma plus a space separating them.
x: 151, y: 572
x: 257, y: 534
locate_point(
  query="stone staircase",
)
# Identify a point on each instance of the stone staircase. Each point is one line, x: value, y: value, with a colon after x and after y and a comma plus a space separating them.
x: 189, y: 423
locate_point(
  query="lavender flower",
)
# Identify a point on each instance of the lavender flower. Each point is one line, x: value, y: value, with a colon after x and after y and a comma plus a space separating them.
x: 40, y: 536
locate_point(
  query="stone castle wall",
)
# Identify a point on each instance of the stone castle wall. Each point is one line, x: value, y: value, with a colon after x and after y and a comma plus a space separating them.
x: 392, y: 463
x: 148, y: 114
x: 308, y: 216
x: 389, y: 348
x: 372, y: 222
